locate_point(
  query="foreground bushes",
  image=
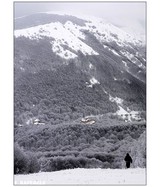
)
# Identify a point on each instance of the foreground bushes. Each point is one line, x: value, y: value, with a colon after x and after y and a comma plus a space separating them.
x: 87, y: 161
x: 70, y: 162
x: 20, y: 160
x: 24, y: 162
x: 79, y: 146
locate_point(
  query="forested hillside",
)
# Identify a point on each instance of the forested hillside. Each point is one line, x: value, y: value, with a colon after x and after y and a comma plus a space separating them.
x: 68, y: 70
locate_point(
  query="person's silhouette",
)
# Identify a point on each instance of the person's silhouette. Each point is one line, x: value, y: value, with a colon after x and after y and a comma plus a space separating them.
x: 128, y: 160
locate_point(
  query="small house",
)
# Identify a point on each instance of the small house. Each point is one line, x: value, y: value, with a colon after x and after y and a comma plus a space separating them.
x: 88, y: 121
x: 38, y: 122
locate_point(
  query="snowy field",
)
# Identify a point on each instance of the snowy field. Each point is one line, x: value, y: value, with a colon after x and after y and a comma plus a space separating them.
x: 85, y: 176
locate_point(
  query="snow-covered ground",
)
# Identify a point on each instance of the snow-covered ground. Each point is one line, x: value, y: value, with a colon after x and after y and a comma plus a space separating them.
x: 79, y: 176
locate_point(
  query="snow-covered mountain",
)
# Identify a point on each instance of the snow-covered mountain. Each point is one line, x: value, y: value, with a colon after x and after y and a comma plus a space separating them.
x: 73, y: 35
x: 100, y: 58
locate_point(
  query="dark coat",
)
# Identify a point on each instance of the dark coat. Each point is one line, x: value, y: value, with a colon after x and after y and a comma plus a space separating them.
x: 128, y: 160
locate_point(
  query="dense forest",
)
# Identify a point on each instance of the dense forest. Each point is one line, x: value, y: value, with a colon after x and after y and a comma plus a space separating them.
x: 80, y: 145
x: 62, y: 95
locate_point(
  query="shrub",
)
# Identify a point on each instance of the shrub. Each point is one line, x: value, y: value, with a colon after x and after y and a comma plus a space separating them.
x: 24, y: 162
x: 138, y: 151
x: 33, y: 166
x: 68, y: 162
x: 59, y: 163
x: 106, y: 165
x: 20, y: 160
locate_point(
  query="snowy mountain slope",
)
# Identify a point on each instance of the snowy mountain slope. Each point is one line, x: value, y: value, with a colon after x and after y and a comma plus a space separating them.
x: 62, y: 35
x: 67, y: 38
x: 70, y: 34
x: 85, y: 177
x: 102, y: 55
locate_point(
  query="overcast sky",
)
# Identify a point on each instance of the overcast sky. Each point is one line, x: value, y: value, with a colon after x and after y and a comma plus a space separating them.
x: 123, y: 14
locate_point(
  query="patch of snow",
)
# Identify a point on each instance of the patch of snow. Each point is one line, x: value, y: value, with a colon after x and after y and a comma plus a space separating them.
x: 74, y: 29
x: 105, y: 91
x: 66, y: 54
x: 90, y: 86
x: 121, y: 111
x: 79, y: 176
x: 128, y: 115
x: 115, y: 99
x: 120, y: 44
x: 125, y: 63
x: 92, y: 82
x: 104, y: 46
x: 134, y: 112
x: 128, y: 110
x: 131, y: 58
x: 134, y: 60
x: 139, y: 71
x: 115, y: 52
x: 141, y: 65
x: 127, y: 54
x: 90, y: 66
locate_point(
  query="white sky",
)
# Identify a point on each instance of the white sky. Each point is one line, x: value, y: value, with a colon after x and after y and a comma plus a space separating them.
x: 123, y: 14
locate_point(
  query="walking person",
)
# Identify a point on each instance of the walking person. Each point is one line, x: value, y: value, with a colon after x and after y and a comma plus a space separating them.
x: 128, y: 160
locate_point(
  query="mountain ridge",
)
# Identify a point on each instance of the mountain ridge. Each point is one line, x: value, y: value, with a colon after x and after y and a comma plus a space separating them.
x: 109, y: 62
